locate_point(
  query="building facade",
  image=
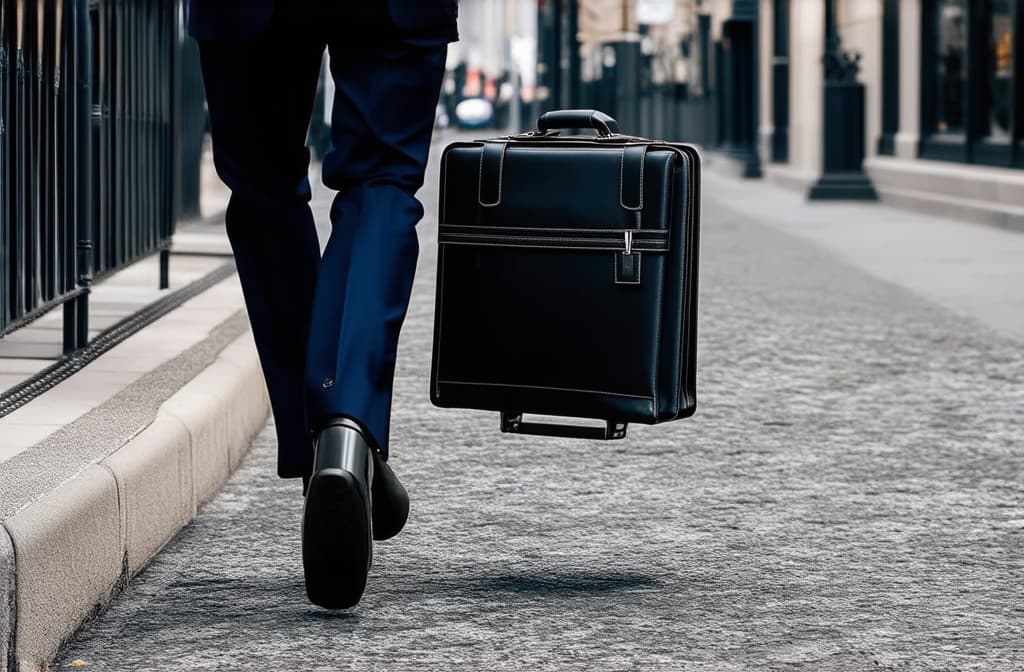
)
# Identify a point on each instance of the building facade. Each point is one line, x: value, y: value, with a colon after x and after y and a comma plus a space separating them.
x: 943, y: 100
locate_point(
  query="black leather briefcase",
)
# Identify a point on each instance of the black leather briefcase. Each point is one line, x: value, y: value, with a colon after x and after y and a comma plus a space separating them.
x: 567, y: 278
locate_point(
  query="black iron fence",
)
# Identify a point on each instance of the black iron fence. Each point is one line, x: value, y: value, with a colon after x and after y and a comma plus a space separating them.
x: 43, y: 101
x: 90, y: 158
x: 134, y: 45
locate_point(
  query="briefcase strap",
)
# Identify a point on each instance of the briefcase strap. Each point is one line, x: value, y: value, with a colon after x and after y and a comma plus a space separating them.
x: 492, y: 172
x: 631, y: 178
x: 626, y: 267
x: 631, y: 198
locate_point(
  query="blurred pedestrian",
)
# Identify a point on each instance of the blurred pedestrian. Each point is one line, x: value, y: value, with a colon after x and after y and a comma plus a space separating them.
x: 326, y: 329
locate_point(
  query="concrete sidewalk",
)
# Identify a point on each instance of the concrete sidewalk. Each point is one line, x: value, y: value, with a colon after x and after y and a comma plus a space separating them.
x: 974, y: 270
x: 847, y: 497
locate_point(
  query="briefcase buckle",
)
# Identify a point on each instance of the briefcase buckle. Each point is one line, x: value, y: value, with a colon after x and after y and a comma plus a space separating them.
x: 628, y: 242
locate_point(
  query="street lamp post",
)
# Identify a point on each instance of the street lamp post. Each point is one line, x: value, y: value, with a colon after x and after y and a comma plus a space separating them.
x: 572, y: 45
x: 739, y: 79
x: 843, y: 175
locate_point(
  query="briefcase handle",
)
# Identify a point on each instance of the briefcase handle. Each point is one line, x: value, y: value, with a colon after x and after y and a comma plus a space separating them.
x: 512, y: 423
x: 599, y: 121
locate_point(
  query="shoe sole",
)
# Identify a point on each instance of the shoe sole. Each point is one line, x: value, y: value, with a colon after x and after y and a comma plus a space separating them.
x: 336, y: 540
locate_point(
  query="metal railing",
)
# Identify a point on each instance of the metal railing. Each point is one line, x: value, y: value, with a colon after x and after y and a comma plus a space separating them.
x: 90, y: 161
x: 42, y: 155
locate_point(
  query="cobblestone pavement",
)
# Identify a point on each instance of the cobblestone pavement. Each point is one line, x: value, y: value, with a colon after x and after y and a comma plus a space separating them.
x: 849, y: 496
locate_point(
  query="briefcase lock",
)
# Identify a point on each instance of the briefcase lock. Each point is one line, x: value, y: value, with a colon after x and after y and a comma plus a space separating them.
x: 627, y: 264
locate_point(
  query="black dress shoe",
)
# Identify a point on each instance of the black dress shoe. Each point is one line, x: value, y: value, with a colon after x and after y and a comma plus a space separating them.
x: 390, y: 500
x: 389, y: 497
x: 337, y: 546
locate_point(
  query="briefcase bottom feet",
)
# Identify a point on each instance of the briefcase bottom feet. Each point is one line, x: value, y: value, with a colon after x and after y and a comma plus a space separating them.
x: 512, y: 423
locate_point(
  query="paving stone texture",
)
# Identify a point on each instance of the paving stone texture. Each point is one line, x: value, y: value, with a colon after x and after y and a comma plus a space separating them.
x: 849, y: 496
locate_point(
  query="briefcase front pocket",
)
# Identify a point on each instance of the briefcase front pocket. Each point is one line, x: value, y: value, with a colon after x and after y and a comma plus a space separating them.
x: 536, y: 317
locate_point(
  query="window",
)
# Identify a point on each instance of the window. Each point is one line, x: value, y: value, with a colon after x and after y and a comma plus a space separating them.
x: 971, y: 81
x: 950, y: 66
x: 999, y: 70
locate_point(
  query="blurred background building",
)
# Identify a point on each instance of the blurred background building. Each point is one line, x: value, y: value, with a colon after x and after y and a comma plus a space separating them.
x: 943, y: 102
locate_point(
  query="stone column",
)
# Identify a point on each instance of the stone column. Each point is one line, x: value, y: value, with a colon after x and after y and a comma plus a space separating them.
x: 806, y: 35
x: 910, y: 79
x: 766, y: 49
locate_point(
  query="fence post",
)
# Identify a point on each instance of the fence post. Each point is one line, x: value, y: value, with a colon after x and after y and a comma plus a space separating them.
x: 83, y: 212
x: 174, y: 16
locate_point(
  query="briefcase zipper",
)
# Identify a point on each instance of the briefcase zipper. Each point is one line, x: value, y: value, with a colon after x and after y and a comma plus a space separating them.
x: 626, y: 241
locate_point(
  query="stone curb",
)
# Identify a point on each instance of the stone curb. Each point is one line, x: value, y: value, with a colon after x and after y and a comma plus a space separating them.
x: 66, y: 555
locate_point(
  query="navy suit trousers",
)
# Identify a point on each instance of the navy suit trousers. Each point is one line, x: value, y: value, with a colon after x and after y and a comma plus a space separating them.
x: 326, y: 328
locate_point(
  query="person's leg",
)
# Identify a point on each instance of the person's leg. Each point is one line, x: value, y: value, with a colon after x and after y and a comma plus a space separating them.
x: 260, y: 96
x: 385, y: 98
